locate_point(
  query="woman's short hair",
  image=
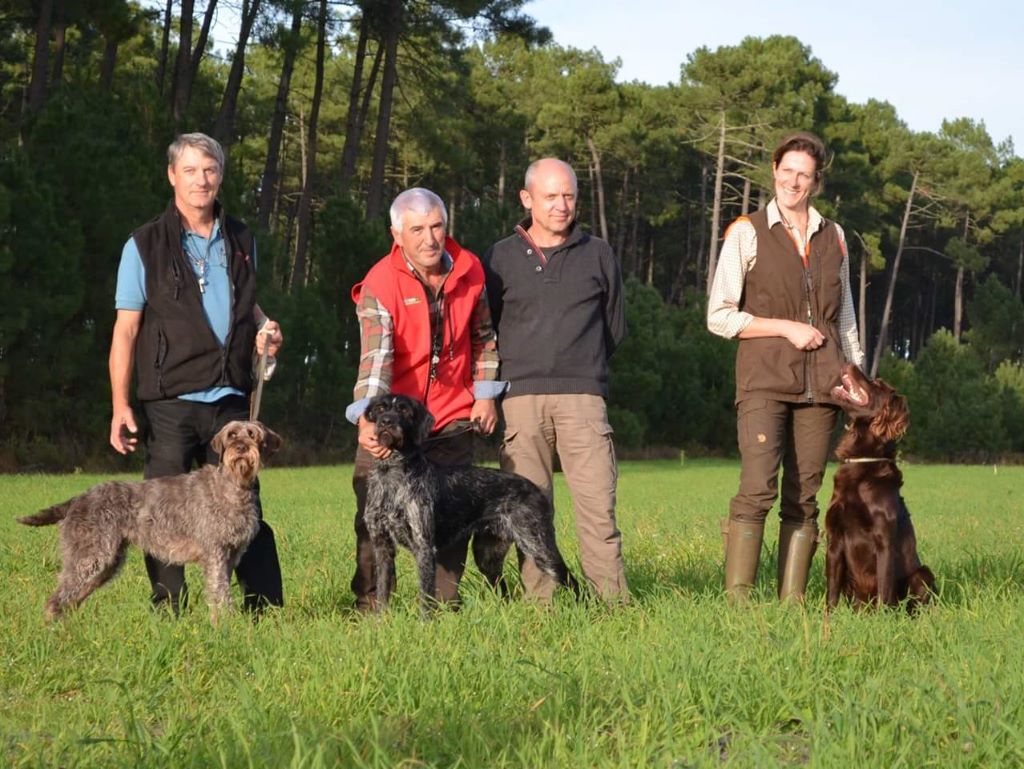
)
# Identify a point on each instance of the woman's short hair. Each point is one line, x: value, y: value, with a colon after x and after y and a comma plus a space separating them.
x: 803, y: 141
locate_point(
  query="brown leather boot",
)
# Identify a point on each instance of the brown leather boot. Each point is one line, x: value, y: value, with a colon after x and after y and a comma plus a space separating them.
x: 742, y: 551
x: 797, y: 543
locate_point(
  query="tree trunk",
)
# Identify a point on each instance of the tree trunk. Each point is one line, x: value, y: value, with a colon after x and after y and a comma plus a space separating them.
x: 60, y: 28
x: 41, y: 57
x: 620, y: 216
x: 650, y: 261
x: 200, y: 49
x: 1020, y: 266
x: 593, y: 197
x: 268, y: 186
x: 958, y: 303
x: 933, y: 307
x: 958, y: 297
x: 716, y: 209
x: 392, y: 32
x: 305, y: 215
x: 355, y: 117
x: 917, y: 325
x: 165, y: 39
x: 224, y: 128
x: 635, y: 229
x: 109, y: 61
x: 862, y: 301
x: 702, y: 243
x: 453, y: 207
x: 602, y: 217
x: 883, y: 329
x: 180, y: 87
x: 503, y: 160
x: 746, y: 197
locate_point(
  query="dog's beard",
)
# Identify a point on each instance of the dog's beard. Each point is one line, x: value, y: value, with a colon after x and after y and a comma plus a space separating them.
x: 243, y: 464
x: 389, y: 438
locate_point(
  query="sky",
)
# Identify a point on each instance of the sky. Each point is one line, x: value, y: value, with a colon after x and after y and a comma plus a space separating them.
x: 930, y: 59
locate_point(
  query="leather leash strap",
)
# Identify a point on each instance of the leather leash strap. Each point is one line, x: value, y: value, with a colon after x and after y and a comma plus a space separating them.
x: 257, y: 395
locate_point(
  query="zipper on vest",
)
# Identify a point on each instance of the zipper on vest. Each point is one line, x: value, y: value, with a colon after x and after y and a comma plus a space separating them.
x: 158, y: 364
x: 808, y: 369
x: 430, y: 345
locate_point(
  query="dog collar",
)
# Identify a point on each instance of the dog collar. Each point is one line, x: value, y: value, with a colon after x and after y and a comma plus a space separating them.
x: 861, y: 460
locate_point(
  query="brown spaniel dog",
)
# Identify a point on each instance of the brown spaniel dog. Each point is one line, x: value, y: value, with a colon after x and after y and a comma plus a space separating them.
x: 872, y: 550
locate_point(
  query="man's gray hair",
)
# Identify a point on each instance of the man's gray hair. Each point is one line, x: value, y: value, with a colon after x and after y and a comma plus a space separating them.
x: 419, y: 200
x: 205, y: 144
x: 531, y: 171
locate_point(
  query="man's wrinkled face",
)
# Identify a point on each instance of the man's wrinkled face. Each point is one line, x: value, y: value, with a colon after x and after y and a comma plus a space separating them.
x: 196, y: 179
x: 422, y: 239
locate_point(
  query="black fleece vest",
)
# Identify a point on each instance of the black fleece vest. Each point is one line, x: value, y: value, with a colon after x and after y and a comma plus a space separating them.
x: 176, y: 351
x: 779, y: 286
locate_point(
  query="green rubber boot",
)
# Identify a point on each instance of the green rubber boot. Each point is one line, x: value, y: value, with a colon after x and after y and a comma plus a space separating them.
x: 797, y: 543
x: 742, y: 551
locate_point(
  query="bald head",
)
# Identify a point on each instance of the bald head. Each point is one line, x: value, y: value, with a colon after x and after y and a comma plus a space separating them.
x: 546, y: 167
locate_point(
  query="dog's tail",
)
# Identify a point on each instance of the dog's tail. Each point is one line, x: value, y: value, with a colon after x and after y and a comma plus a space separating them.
x: 48, y: 516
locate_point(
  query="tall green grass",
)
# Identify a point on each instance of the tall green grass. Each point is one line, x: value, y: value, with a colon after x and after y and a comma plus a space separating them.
x: 676, y: 679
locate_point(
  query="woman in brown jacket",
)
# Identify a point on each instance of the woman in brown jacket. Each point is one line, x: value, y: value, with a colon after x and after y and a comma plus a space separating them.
x: 782, y: 287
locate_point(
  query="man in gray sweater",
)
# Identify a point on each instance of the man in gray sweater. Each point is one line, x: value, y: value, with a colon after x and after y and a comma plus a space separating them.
x: 557, y: 304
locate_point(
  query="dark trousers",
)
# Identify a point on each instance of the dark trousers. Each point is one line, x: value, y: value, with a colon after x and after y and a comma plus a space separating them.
x: 452, y: 446
x: 177, y: 437
x: 796, y: 436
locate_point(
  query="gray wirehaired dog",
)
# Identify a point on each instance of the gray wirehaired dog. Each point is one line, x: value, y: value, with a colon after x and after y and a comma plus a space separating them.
x: 208, y: 517
x: 426, y: 507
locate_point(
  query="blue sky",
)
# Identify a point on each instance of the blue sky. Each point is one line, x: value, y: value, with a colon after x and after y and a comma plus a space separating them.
x: 931, y: 59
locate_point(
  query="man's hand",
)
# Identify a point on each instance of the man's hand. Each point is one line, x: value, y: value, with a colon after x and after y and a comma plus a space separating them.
x: 270, y: 334
x: 368, y: 439
x: 804, y: 336
x: 484, y: 415
x: 124, y: 433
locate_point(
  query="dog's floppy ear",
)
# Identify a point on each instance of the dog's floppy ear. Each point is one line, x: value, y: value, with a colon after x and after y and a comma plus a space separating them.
x: 425, y: 420
x: 270, y: 442
x: 217, y: 444
x: 891, y: 423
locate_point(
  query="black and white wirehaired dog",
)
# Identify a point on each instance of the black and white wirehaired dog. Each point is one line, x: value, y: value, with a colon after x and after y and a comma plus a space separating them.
x: 425, y: 507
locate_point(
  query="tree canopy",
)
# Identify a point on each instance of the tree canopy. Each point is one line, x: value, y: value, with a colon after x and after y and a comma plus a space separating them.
x: 327, y: 110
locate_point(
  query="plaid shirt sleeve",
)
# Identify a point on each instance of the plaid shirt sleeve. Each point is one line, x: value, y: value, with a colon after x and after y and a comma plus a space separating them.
x: 849, y: 339
x: 377, y: 352
x: 725, y: 318
x: 484, y: 342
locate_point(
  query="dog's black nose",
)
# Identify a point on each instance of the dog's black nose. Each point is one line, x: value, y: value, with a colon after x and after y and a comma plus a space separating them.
x: 386, y: 420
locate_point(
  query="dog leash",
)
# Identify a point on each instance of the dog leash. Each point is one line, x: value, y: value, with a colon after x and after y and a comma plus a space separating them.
x: 261, y: 371
x: 467, y: 428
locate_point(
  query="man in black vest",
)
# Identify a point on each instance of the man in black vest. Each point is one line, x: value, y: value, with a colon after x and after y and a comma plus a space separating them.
x: 187, y: 322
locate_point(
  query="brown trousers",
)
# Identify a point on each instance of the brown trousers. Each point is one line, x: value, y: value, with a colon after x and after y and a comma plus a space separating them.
x: 454, y: 446
x: 576, y: 426
x: 795, y: 435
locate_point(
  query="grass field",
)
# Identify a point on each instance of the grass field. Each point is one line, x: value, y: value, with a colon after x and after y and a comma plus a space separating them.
x: 677, y: 679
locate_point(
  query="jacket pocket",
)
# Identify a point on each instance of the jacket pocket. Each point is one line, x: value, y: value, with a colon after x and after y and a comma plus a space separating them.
x: 770, y: 364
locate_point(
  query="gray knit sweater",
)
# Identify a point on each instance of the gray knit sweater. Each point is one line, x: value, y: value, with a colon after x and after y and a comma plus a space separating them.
x: 559, y: 322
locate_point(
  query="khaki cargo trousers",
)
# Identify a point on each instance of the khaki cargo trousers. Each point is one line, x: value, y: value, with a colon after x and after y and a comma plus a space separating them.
x: 576, y: 427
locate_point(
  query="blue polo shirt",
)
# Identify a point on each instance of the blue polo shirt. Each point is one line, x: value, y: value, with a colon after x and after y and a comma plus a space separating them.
x: 131, y: 290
